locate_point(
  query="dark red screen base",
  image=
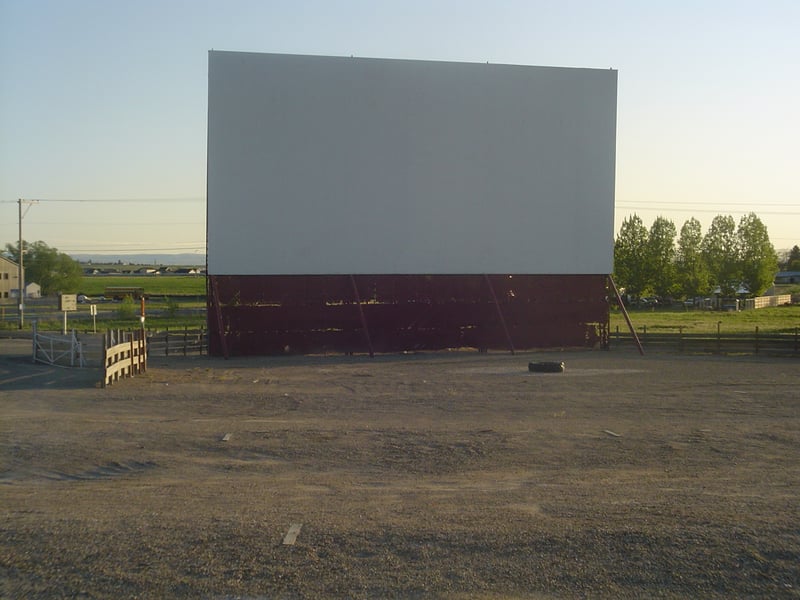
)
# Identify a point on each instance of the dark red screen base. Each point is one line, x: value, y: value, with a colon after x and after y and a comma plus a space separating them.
x: 311, y: 314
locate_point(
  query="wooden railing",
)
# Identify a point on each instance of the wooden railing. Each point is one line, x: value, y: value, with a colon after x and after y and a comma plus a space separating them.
x: 767, y: 301
x: 769, y: 343
x: 177, y: 341
x: 124, y: 355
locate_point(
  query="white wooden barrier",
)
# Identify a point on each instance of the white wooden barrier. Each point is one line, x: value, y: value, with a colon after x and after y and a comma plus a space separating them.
x: 124, y: 355
x: 767, y: 301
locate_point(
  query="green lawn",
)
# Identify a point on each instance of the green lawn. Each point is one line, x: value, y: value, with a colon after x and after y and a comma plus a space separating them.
x: 781, y: 318
x: 154, y: 285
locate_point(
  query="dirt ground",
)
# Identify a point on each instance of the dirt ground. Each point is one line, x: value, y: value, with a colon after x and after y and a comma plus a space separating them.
x: 445, y: 475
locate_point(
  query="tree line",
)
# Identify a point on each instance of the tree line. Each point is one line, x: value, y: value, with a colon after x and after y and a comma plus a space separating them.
x: 54, y: 271
x: 646, y: 262
x: 663, y: 263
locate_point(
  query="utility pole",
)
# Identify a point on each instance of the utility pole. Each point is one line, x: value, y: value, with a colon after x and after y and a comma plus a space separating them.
x: 20, y: 266
x: 21, y: 278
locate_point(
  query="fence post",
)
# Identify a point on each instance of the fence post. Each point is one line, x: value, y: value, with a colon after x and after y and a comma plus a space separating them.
x: 719, y: 349
x: 34, y: 340
x: 756, y: 339
x: 105, y: 357
x: 617, y: 333
x: 140, y: 350
x: 202, y: 338
x: 680, y: 339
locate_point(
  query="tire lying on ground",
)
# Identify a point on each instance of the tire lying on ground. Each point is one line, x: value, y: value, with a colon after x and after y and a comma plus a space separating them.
x: 546, y: 367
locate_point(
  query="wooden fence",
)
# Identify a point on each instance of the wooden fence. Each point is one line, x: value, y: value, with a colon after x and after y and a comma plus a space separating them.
x: 766, y: 301
x: 124, y: 355
x: 177, y: 342
x: 768, y: 343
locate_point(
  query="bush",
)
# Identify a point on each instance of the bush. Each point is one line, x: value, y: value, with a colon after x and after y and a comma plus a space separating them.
x: 172, y: 308
x: 127, y: 309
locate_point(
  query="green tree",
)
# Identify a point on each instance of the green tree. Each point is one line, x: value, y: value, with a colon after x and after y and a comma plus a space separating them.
x: 54, y: 271
x: 630, y: 257
x: 660, y: 257
x: 793, y: 259
x: 721, y: 254
x: 757, y: 256
x: 692, y: 272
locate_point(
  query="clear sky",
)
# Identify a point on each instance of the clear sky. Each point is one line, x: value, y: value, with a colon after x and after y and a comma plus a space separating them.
x: 106, y: 100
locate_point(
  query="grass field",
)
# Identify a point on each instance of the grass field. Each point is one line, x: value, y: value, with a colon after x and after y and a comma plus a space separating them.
x: 778, y: 319
x: 154, y: 285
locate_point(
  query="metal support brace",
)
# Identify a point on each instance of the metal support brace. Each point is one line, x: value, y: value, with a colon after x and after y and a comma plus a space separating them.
x: 363, y: 317
x: 218, y: 314
x: 500, y: 313
x: 627, y: 317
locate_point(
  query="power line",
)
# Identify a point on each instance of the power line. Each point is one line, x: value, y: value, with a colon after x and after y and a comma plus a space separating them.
x: 124, y: 224
x: 105, y: 250
x: 112, y: 200
x: 688, y: 203
x: 703, y: 210
x: 134, y: 245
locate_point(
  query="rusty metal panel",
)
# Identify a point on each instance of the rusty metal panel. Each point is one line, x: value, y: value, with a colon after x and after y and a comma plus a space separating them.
x: 278, y: 314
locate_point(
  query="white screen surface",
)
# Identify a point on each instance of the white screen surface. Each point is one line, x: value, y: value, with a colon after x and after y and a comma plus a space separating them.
x: 327, y: 165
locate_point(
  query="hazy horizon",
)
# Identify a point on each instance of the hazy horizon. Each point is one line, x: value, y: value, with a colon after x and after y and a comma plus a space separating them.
x: 177, y: 259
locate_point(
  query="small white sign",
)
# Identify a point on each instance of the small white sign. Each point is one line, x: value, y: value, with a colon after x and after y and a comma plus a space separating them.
x: 68, y: 302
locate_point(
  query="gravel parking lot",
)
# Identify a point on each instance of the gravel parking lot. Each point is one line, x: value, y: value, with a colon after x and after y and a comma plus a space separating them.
x: 442, y: 475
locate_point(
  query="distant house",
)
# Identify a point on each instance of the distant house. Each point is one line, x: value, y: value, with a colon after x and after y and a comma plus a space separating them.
x: 186, y: 271
x: 784, y: 277
x: 32, y: 290
x: 742, y: 290
x: 9, y: 279
x: 148, y: 271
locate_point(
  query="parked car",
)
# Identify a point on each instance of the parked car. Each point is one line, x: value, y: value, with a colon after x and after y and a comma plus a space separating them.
x: 649, y: 301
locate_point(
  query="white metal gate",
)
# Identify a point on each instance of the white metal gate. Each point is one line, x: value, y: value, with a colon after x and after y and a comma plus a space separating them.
x: 57, y: 350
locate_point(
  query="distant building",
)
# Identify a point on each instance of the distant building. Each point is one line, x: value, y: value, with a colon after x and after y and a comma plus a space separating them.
x: 9, y: 279
x: 33, y: 290
x: 787, y: 277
